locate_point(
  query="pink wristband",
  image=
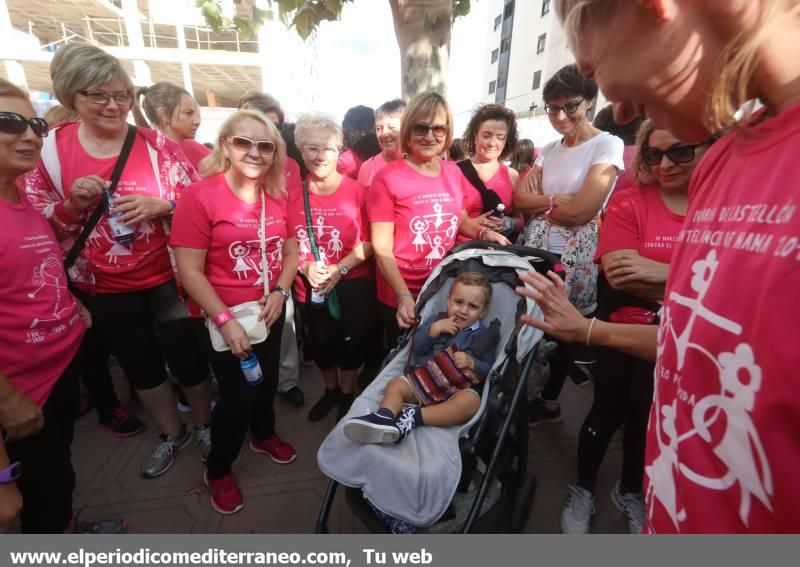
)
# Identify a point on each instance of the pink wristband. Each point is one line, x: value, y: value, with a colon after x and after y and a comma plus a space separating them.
x: 221, y: 318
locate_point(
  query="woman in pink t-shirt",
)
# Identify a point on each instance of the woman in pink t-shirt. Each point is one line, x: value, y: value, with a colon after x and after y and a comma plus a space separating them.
x: 490, y: 138
x: 640, y: 229
x: 415, y: 207
x: 126, y: 268
x: 722, y: 445
x: 218, y: 232
x: 360, y: 141
x: 336, y: 223
x: 388, y: 118
x: 172, y: 110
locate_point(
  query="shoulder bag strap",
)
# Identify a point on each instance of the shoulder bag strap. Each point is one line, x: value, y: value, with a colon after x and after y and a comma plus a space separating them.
x: 490, y: 198
x: 101, y: 208
x: 312, y: 240
x: 262, y: 232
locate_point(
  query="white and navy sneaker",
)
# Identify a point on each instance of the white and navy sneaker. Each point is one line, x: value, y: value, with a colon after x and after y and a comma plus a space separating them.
x: 631, y: 505
x: 376, y: 427
x: 409, y: 418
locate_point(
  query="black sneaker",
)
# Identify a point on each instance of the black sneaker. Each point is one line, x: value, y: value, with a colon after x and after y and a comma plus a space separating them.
x: 120, y: 423
x: 539, y: 413
x: 325, y: 404
x: 376, y: 427
x: 344, y: 406
x: 294, y: 396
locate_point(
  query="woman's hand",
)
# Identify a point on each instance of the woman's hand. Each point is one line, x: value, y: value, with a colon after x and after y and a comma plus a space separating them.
x: 272, y: 305
x: 492, y: 223
x: 236, y: 338
x: 334, y: 276
x: 84, y: 313
x: 405, y: 312
x: 316, y: 276
x: 10, y: 504
x: 85, y: 192
x: 532, y: 182
x: 562, y: 199
x: 496, y: 237
x: 20, y: 416
x: 140, y: 208
x: 561, y: 319
x: 631, y: 267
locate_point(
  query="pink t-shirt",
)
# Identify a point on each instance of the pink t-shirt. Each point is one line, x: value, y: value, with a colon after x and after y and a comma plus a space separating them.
x: 348, y: 164
x: 195, y: 151
x: 119, y: 268
x: 723, y: 447
x: 425, y: 212
x: 40, y: 328
x: 500, y: 183
x: 339, y: 222
x: 210, y: 216
x: 637, y: 219
x: 369, y: 168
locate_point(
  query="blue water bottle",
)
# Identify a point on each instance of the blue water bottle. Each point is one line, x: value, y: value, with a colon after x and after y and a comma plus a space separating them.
x: 252, y: 370
x: 121, y: 232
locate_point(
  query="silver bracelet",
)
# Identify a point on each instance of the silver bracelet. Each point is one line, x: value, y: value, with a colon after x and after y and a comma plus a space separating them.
x: 589, y: 333
x: 402, y: 295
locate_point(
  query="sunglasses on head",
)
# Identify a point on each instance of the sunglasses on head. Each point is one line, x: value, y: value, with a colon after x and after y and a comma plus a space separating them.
x: 13, y: 123
x: 683, y: 153
x: 244, y: 144
x: 421, y: 129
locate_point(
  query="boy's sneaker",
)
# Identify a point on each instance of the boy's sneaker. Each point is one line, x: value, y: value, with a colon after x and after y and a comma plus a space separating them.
x: 539, y: 413
x: 277, y: 449
x: 577, y: 512
x: 409, y: 418
x: 630, y: 504
x: 329, y: 400
x: 202, y: 436
x: 163, y: 455
x: 376, y: 427
x: 226, y: 498
x: 120, y: 423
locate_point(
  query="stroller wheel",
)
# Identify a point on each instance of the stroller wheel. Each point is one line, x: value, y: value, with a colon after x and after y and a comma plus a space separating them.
x: 523, y: 500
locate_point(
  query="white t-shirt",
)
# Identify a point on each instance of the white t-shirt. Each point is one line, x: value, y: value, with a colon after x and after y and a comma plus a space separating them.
x: 564, y: 170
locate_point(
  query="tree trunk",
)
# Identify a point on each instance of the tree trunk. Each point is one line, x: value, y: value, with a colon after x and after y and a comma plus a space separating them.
x: 423, y: 29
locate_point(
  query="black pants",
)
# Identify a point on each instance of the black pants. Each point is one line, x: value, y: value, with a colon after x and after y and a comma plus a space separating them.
x: 93, y: 362
x: 390, y: 326
x: 142, y: 327
x: 240, y: 406
x: 48, y: 479
x: 344, y: 343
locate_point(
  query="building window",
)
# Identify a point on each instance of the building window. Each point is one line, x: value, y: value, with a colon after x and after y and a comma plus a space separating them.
x: 541, y: 43
x: 537, y: 80
x: 501, y: 80
x: 497, y: 21
x: 509, y: 9
x: 495, y: 55
x: 545, y: 7
x: 505, y: 45
x: 492, y: 87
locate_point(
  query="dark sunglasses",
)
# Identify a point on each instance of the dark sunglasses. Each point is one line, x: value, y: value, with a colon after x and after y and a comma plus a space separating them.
x: 13, y: 123
x: 683, y: 153
x: 569, y: 108
x: 421, y: 129
x: 244, y: 144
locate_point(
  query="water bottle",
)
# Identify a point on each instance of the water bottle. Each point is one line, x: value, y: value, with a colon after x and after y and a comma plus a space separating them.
x: 121, y: 232
x: 252, y: 370
x: 499, y: 211
x: 317, y: 300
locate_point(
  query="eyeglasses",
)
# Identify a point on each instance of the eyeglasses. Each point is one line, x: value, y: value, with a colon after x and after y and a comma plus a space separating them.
x: 421, y: 130
x: 13, y: 123
x: 569, y: 108
x: 314, y: 151
x: 244, y: 144
x: 99, y: 97
x: 676, y: 154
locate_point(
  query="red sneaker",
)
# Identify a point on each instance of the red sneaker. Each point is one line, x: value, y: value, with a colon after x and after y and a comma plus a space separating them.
x: 277, y: 449
x: 226, y: 498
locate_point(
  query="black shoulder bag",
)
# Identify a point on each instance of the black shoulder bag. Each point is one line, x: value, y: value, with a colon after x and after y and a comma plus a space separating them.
x: 102, y: 207
x: 332, y: 299
x: 490, y: 198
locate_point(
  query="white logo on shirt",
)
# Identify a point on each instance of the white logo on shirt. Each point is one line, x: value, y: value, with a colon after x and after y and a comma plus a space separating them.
x: 435, y: 232
x: 49, y: 274
x: 328, y: 238
x: 246, y: 257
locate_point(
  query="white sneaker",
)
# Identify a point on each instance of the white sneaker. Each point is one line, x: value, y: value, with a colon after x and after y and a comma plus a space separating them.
x: 577, y: 512
x: 202, y: 436
x: 632, y: 506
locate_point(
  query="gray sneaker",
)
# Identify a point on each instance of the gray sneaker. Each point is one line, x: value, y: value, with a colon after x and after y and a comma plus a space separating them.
x: 162, y: 457
x: 631, y: 505
x: 202, y: 436
x: 577, y: 512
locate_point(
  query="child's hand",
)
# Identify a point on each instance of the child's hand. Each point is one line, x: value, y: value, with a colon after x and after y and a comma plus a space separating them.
x: 447, y: 326
x: 463, y: 361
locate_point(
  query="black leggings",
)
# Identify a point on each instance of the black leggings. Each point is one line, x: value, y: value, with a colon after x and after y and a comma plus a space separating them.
x: 144, y: 327
x: 240, y: 406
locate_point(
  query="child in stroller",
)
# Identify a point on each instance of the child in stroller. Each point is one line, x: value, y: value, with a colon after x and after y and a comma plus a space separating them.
x: 451, y: 355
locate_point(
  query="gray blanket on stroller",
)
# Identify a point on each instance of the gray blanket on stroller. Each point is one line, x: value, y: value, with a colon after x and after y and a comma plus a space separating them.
x: 416, y: 480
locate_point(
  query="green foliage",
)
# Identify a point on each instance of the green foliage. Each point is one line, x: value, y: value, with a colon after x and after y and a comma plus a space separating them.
x: 460, y: 8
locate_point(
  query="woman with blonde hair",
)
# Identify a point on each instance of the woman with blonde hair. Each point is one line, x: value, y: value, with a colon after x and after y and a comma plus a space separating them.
x: 232, y: 246
x: 722, y: 445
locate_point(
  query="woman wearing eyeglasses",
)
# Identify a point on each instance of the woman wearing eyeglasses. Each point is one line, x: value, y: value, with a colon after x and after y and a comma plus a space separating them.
x: 415, y: 207
x: 129, y: 280
x: 642, y: 223
x: 218, y: 231
x: 564, y: 193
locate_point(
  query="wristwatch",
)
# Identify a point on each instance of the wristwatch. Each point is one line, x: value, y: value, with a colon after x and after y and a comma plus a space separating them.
x: 343, y: 269
x: 11, y: 473
x: 282, y: 291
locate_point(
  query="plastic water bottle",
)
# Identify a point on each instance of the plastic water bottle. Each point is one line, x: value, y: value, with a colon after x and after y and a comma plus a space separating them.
x: 121, y: 232
x: 317, y: 300
x: 252, y: 370
x: 499, y: 211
